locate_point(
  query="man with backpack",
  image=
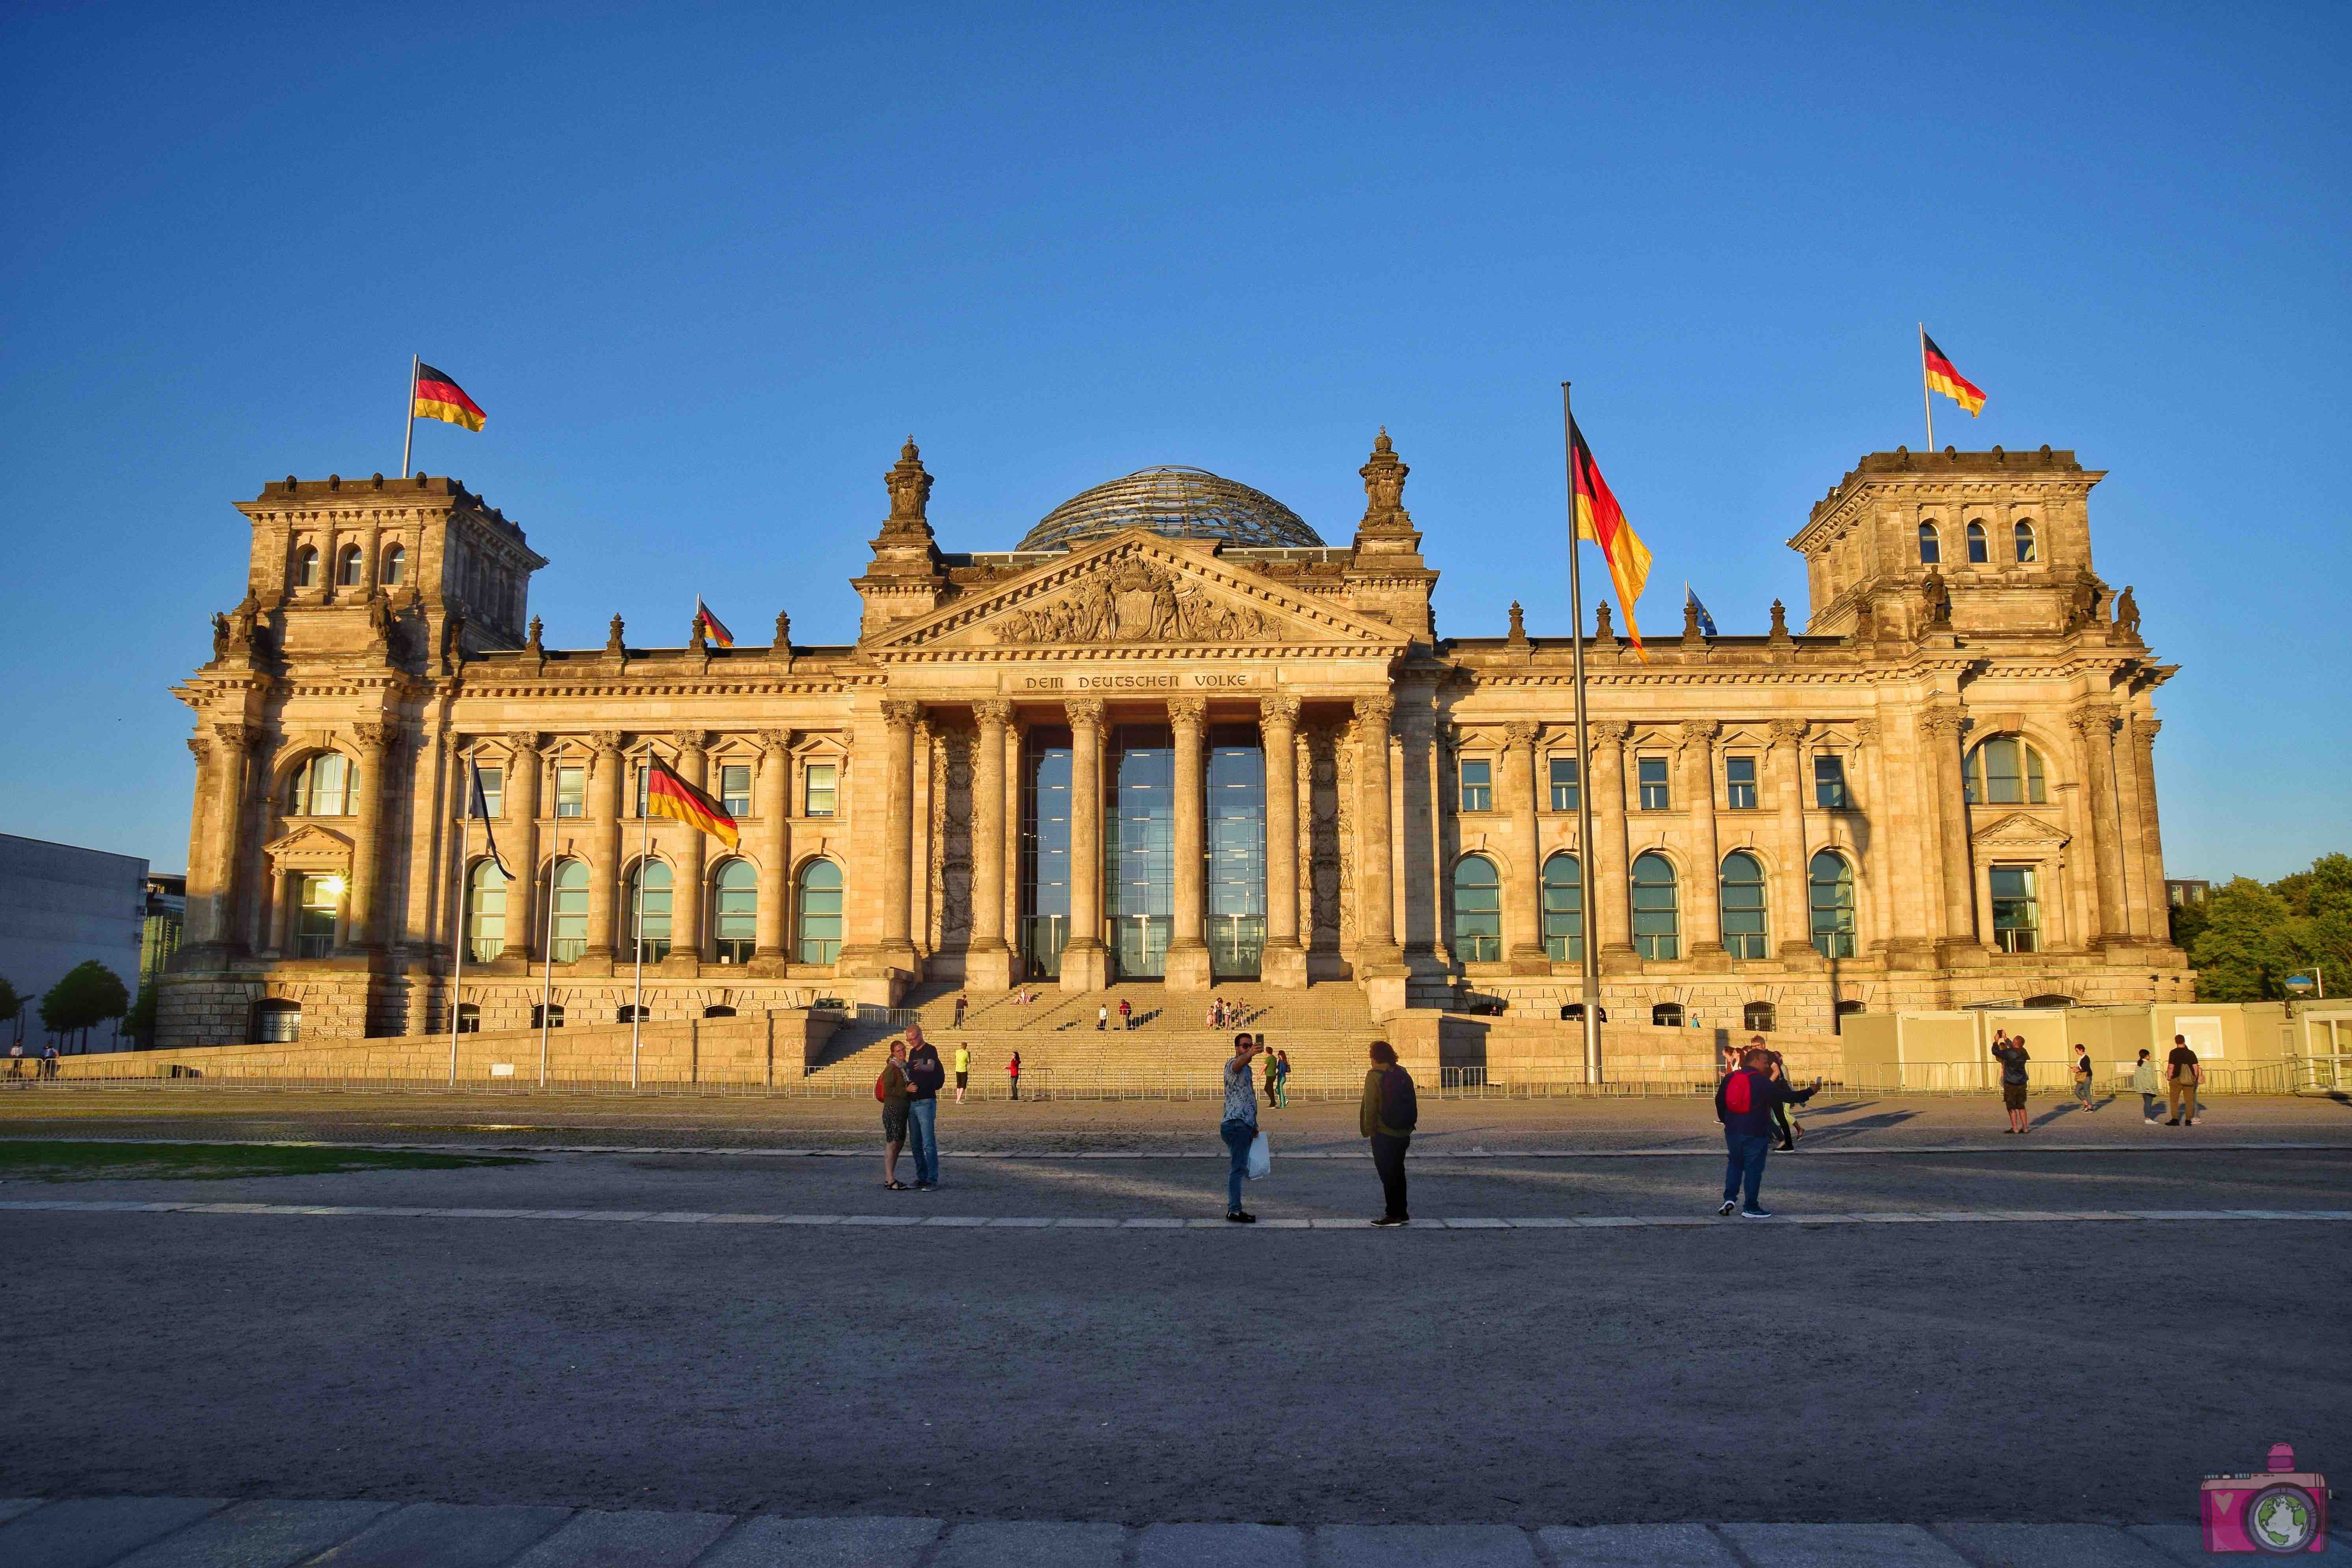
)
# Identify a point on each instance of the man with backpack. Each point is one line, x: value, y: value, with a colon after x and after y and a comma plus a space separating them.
x: 1387, y: 1116
x: 1743, y: 1103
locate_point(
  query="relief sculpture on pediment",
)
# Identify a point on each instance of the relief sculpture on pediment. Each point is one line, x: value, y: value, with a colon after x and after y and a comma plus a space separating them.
x: 1135, y: 601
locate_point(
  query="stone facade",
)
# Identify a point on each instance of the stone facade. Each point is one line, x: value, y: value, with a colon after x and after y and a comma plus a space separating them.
x: 1966, y: 713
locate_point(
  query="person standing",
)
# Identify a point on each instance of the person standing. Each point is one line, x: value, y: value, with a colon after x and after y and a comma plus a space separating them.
x: 1239, y: 1126
x: 1273, y: 1077
x: 2083, y: 1076
x: 925, y: 1078
x: 1778, y: 1071
x: 2182, y: 1075
x: 896, y: 1091
x: 1281, y: 1079
x: 2148, y: 1083
x: 2013, y: 1056
x: 49, y: 1060
x: 963, y: 1069
x: 961, y: 1001
x: 1126, y: 1014
x: 1013, y: 1073
x: 1102, y: 1018
x: 1743, y: 1103
x: 1386, y: 1117
x: 17, y: 1058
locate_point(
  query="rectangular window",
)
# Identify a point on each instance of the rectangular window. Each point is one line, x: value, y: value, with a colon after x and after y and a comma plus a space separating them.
x: 1740, y: 783
x: 2016, y: 912
x: 571, y: 792
x: 735, y: 789
x: 1653, y: 784
x: 820, y: 790
x: 1477, y: 784
x: 494, y: 796
x: 1829, y: 782
x: 643, y: 778
x: 314, y: 917
x: 1563, y: 783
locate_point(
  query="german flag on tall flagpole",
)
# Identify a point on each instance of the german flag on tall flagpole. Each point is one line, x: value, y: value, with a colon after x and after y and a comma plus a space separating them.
x: 1600, y: 519
x: 1942, y: 377
x: 667, y: 794
x: 434, y: 396
x: 710, y: 625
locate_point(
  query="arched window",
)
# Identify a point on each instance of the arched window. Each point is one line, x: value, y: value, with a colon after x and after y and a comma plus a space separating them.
x: 633, y: 1015
x: 719, y: 1012
x: 1979, y: 552
x: 1832, y: 880
x: 1658, y: 929
x: 1477, y: 910
x: 322, y: 786
x: 734, y: 912
x: 1743, y: 905
x: 1563, y: 909
x: 1758, y: 1017
x: 469, y: 1018
x: 1931, y: 545
x: 276, y: 1022
x: 486, y: 913
x: 305, y: 567
x: 547, y: 1016
x: 649, y: 910
x: 2005, y: 770
x: 2024, y: 532
x: 567, y: 913
x: 348, y: 568
x: 1667, y: 1016
x: 396, y: 565
x: 820, y: 927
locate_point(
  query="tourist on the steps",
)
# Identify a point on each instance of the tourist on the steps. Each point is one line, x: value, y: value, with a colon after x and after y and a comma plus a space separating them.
x: 961, y: 999
x: 1239, y: 1127
x: 1281, y: 1078
x: 1126, y: 1014
x: 1387, y: 1117
x: 1273, y: 1075
x: 925, y: 1076
x: 963, y: 1069
x: 1102, y: 1018
x: 1013, y: 1072
x: 896, y: 1091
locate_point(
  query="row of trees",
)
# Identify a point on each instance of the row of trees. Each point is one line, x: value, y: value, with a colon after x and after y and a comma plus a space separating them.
x: 2245, y: 939
x: 89, y: 995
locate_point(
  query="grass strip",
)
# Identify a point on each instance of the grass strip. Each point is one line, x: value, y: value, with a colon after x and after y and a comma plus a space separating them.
x: 60, y: 1159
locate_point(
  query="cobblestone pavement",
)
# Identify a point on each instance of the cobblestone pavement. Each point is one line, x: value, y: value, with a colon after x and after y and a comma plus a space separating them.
x: 210, y: 1533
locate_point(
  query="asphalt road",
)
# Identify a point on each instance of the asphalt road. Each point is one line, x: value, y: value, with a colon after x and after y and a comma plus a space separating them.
x: 2051, y: 1371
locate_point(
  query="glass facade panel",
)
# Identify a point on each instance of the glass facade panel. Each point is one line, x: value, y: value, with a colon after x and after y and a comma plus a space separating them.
x: 1139, y: 850
x: 820, y: 931
x: 1563, y: 909
x: 1979, y: 553
x: 1477, y: 910
x: 1743, y: 906
x: 2016, y: 912
x: 1740, y: 783
x: 1235, y: 846
x: 1657, y: 925
x: 1832, y: 882
x: 1044, y: 852
x: 735, y: 912
x: 568, y: 912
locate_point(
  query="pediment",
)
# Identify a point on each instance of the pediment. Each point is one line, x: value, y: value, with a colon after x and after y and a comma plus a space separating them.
x: 2022, y: 829
x: 310, y: 848
x: 1139, y: 590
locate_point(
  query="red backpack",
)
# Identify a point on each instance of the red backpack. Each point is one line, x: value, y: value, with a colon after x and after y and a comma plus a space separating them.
x: 1738, y: 1097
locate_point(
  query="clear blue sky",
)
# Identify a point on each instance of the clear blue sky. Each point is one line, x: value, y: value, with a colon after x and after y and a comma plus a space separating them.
x: 706, y: 269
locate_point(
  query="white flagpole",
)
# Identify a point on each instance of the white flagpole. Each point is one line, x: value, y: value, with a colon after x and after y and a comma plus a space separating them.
x: 408, y: 408
x: 1927, y: 400
x: 638, y: 907
x: 457, y: 969
x: 1587, y: 900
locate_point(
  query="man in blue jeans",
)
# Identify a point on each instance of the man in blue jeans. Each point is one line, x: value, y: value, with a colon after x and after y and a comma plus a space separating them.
x: 1743, y: 1103
x: 925, y: 1075
x: 1239, y: 1129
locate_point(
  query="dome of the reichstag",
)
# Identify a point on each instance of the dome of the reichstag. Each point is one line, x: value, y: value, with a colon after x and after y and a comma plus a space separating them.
x: 1182, y: 503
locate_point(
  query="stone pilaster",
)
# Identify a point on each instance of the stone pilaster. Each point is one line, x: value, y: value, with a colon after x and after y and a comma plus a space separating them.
x: 1378, y: 957
x: 774, y: 834
x: 1523, y: 948
x: 1614, y: 919
x: 1085, y: 960
x: 1188, y: 952
x: 1285, y: 964
x: 988, y: 964
x: 899, y: 719
x: 1788, y: 773
x: 524, y: 939
x: 686, y: 945
x: 604, y: 858
x: 1956, y: 936
x: 1696, y: 740
x: 2094, y: 736
x: 376, y: 744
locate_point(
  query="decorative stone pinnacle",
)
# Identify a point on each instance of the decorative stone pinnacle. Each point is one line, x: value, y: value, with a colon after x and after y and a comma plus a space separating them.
x: 1384, y: 476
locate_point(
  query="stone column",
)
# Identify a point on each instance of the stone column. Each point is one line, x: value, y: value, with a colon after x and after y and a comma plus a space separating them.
x: 1612, y: 921
x: 2095, y: 731
x: 1377, y: 954
x: 605, y: 862
x: 899, y: 717
x: 1013, y: 827
x: 1285, y: 964
x: 775, y: 851
x: 231, y: 748
x: 1188, y: 949
x: 523, y: 937
x: 1085, y: 960
x: 1940, y: 735
x: 1523, y: 947
x: 1788, y: 881
x: 988, y: 963
x: 686, y: 943
x: 1706, y: 926
x: 375, y: 749
x: 1878, y: 934
x: 2141, y: 752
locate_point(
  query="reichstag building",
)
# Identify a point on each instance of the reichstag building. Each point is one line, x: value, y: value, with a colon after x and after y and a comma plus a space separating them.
x: 1175, y: 737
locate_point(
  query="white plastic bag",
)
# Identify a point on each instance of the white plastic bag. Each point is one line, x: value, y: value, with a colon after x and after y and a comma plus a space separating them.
x: 1261, y: 1158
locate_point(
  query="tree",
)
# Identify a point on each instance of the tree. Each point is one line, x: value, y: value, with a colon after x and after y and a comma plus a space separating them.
x: 141, y: 1022
x: 89, y: 994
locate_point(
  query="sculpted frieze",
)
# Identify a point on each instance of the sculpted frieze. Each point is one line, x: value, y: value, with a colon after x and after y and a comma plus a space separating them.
x: 1135, y: 601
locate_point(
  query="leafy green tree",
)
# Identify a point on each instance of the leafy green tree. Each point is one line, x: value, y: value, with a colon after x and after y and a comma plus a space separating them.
x: 2248, y: 946
x: 10, y: 1003
x: 140, y: 1022
x: 2323, y: 931
x: 88, y: 996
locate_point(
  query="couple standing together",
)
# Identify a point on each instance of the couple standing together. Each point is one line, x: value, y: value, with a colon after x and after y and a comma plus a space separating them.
x: 908, y: 1090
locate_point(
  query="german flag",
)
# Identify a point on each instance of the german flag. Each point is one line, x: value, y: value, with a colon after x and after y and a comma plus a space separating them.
x: 1600, y: 519
x: 710, y: 624
x: 438, y: 397
x: 1942, y: 377
x: 667, y: 794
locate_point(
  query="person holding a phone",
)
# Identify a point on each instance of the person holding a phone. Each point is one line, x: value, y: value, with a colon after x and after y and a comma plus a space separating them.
x: 1239, y: 1127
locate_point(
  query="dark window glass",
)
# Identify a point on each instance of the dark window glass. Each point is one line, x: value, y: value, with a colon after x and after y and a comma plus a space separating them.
x: 1743, y: 906
x: 1477, y: 910
x: 1829, y: 782
x: 1667, y: 1016
x: 820, y: 930
x: 1740, y: 783
x: 1044, y: 852
x: 1658, y: 927
x: 1139, y: 848
x: 1931, y: 548
x: 735, y: 789
x: 1563, y: 783
x: 2024, y: 535
x: 2016, y: 910
x: 1652, y: 772
x: 568, y: 913
x: 1979, y: 553
x: 1235, y: 847
x: 735, y: 912
x: 650, y: 908
x: 1758, y: 1017
x: 1563, y: 909
x: 1830, y: 881
x: 1477, y: 784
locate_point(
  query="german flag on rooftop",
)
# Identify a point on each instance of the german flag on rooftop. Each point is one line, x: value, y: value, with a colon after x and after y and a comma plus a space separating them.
x: 438, y: 397
x: 1600, y: 519
x: 667, y: 794
x: 1943, y: 378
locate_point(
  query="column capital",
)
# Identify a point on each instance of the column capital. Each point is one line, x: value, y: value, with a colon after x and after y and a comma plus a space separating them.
x: 529, y: 742
x: 237, y: 737
x: 1520, y: 734
x: 776, y: 742
x: 1789, y: 731
x: 1698, y: 732
x: 901, y: 713
x: 2092, y: 722
x: 691, y: 740
x: 375, y: 737
x: 993, y: 713
x: 1608, y: 732
x: 1866, y: 732
x: 1084, y: 710
x: 1943, y: 723
x: 608, y: 742
x: 1281, y: 707
x: 2144, y: 729
x: 1372, y: 713
x: 1186, y: 712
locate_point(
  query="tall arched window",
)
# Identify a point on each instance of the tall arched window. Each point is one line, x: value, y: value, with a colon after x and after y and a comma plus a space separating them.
x: 1477, y: 910
x: 1563, y: 909
x: 1979, y: 551
x: 567, y: 913
x: 1743, y: 905
x: 322, y: 786
x: 2005, y: 770
x: 2025, y: 534
x: 735, y: 912
x: 349, y: 569
x: 1832, y: 880
x: 396, y: 565
x: 649, y: 910
x: 820, y: 926
x: 486, y: 913
x: 1931, y: 544
x: 1658, y: 927
x: 305, y: 567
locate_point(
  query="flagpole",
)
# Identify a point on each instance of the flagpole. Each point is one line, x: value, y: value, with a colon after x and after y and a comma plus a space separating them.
x: 408, y: 437
x: 457, y: 969
x: 637, y: 936
x: 1587, y: 902
x: 1927, y: 401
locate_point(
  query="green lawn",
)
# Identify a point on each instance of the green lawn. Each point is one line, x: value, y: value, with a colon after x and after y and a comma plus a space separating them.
x: 59, y: 1159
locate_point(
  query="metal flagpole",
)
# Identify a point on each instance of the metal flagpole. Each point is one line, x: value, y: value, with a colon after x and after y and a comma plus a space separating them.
x: 547, y: 993
x: 1587, y: 902
x: 457, y: 969
x: 637, y: 915
x: 408, y: 437
x: 1926, y: 401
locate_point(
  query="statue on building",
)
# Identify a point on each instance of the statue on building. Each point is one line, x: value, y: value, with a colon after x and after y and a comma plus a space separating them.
x: 1937, y: 598
x: 784, y: 631
x: 910, y: 490
x: 2083, y: 603
x: 1602, y: 632
x: 1779, y: 621
x: 697, y: 640
x: 1518, y: 626
x: 1384, y: 476
x: 2127, y: 613
x: 536, y: 645
x: 379, y: 615
x: 612, y: 637
x: 220, y: 635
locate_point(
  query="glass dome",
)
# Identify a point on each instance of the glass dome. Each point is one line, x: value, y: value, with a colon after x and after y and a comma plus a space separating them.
x: 1182, y: 503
